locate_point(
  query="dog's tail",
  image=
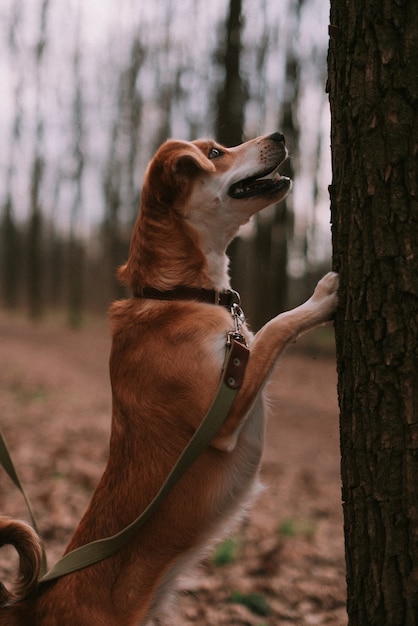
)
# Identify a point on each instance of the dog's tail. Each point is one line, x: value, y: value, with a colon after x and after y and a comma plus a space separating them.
x: 28, y: 546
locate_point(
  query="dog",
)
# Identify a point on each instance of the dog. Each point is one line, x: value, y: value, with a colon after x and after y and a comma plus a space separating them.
x: 168, y: 348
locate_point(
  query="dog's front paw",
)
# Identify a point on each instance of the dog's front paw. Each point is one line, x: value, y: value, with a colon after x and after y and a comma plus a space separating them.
x: 325, y: 295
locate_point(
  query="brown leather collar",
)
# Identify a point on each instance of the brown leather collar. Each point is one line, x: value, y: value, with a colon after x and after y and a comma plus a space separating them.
x: 211, y: 296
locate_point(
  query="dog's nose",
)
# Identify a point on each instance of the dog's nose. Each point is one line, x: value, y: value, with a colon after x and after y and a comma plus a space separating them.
x: 277, y: 137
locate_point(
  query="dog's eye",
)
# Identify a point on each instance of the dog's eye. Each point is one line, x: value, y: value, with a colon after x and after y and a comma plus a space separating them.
x: 214, y: 153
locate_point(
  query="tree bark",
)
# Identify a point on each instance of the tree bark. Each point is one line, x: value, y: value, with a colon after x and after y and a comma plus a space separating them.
x: 373, y: 87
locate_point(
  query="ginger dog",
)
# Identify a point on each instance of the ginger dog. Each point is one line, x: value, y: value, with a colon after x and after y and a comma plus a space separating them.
x: 166, y: 359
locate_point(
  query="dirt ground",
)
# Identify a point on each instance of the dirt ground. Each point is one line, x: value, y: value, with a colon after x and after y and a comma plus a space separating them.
x: 285, y: 566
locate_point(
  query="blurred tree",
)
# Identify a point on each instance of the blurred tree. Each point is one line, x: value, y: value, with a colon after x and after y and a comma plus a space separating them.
x: 11, y: 252
x: 58, y: 243
x: 75, y: 249
x: 168, y: 82
x: 10, y: 257
x: 119, y: 176
x: 373, y: 87
x: 34, y: 247
x: 232, y: 94
x: 34, y: 243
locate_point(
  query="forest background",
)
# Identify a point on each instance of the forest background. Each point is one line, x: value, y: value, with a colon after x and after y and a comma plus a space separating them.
x: 91, y: 88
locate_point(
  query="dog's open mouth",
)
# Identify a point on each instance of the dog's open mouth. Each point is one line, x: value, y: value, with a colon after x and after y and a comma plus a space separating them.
x: 260, y: 185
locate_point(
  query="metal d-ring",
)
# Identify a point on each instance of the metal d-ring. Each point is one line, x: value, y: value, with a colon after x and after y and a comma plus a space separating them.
x: 239, y: 317
x: 236, y: 296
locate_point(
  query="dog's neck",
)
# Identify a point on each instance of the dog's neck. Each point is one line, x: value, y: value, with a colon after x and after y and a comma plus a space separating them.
x: 213, y: 244
x: 217, y: 269
x: 169, y: 252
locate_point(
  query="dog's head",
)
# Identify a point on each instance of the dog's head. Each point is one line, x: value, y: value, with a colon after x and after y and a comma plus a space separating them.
x: 247, y: 173
x: 195, y: 197
x: 243, y: 179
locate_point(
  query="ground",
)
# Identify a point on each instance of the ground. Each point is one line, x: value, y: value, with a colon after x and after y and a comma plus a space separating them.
x: 285, y: 566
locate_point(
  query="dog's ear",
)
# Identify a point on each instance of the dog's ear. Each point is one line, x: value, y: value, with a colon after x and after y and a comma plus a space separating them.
x: 187, y: 160
x: 171, y: 172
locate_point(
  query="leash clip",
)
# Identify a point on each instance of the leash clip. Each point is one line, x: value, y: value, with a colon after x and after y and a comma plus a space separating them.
x: 239, y: 318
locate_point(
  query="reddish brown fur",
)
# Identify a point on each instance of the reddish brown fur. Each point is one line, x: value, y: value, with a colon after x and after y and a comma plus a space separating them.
x: 165, y: 366
x: 161, y: 239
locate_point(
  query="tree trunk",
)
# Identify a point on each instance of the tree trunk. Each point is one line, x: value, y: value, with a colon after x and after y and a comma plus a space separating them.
x: 373, y: 86
x: 35, y: 270
x: 75, y: 249
x: 232, y: 95
x: 10, y: 257
x: 34, y: 245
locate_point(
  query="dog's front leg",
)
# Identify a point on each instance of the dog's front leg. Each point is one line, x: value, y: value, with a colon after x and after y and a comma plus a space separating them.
x: 267, y: 346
